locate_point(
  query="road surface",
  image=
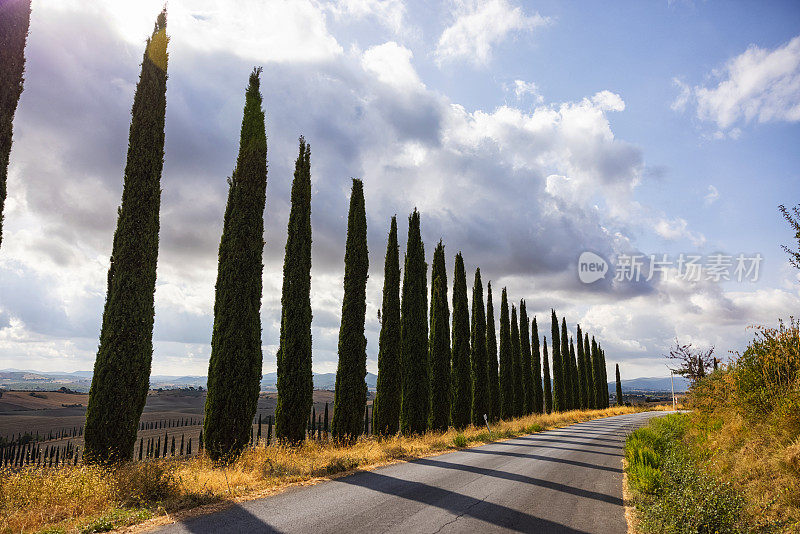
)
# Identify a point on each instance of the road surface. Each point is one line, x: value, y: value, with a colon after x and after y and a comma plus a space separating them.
x: 564, y: 480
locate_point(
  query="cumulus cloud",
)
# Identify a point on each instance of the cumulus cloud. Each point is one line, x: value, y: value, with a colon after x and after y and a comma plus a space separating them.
x: 479, y: 26
x: 758, y: 85
x: 391, y: 63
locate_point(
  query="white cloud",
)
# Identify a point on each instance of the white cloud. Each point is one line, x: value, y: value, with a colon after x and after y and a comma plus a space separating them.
x: 390, y: 13
x: 391, y: 63
x: 711, y: 196
x: 258, y: 30
x: 680, y: 102
x: 678, y: 228
x: 759, y: 85
x: 523, y: 88
x: 481, y: 25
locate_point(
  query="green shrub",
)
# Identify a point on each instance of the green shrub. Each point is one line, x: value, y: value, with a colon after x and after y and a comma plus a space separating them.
x: 645, y: 478
x: 671, y: 493
x: 767, y: 374
x: 460, y: 440
x: 647, y: 457
x: 691, y: 501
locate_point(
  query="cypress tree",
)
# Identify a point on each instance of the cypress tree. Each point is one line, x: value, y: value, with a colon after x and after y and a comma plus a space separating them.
x: 587, y: 356
x: 620, y: 401
x: 575, y: 376
x: 558, y: 383
x: 598, y: 376
x: 461, y: 408
x: 479, y: 371
x: 386, y: 407
x: 15, y: 17
x: 506, y: 362
x: 122, y: 369
x: 493, y: 388
x: 548, y: 392
x: 439, y: 347
x: 414, y: 334
x: 538, y: 398
x: 605, y: 377
x: 295, y: 381
x: 351, y: 388
x: 566, y: 368
x: 234, y: 370
x: 527, y: 365
x: 582, y: 383
x: 516, y: 366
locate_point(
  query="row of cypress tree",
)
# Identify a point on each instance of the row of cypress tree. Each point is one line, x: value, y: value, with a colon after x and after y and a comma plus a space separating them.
x: 459, y: 378
x: 430, y: 375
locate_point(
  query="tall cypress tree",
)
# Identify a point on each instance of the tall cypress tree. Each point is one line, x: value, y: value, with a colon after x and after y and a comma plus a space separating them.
x: 234, y: 370
x: 605, y: 377
x: 479, y: 372
x: 598, y: 376
x: 439, y: 347
x: 351, y: 388
x: 527, y: 365
x: 516, y: 366
x: 548, y: 391
x: 506, y: 361
x: 591, y: 401
x: 491, y: 359
x: 582, y: 384
x: 386, y: 407
x: 620, y: 400
x: 566, y: 368
x: 295, y: 380
x: 122, y: 368
x: 461, y: 407
x: 15, y: 18
x: 558, y: 383
x: 575, y: 377
x: 538, y: 393
x: 414, y: 333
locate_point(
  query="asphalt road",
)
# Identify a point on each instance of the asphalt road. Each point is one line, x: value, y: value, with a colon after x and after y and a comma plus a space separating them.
x: 564, y: 480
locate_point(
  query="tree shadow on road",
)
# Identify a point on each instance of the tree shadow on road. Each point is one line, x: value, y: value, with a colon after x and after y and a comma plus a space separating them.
x: 564, y: 488
x: 456, y: 503
x: 546, y: 459
x: 234, y: 519
x: 537, y: 439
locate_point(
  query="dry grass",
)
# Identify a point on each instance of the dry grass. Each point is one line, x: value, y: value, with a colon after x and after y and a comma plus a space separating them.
x: 746, y: 427
x: 761, y: 460
x: 71, y: 499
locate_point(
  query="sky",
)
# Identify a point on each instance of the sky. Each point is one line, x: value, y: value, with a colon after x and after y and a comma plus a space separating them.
x: 526, y: 133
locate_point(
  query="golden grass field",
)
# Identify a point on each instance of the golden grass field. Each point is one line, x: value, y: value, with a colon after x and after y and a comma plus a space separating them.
x: 86, y: 499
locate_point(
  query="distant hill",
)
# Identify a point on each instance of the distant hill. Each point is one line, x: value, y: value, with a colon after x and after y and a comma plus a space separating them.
x: 650, y: 384
x: 24, y: 379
